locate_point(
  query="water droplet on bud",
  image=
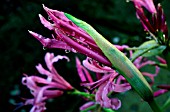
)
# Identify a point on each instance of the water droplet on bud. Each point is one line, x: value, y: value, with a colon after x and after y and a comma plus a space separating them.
x: 67, y: 51
x: 82, y: 39
x: 73, y: 50
x: 44, y: 48
x: 49, y: 18
x: 73, y: 34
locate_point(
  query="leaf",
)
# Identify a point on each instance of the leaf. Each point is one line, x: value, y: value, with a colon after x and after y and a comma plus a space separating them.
x: 167, y: 104
x: 148, y: 49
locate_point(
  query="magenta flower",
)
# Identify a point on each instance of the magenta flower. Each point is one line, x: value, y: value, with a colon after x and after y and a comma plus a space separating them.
x: 148, y: 4
x: 53, y: 85
x: 163, y: 89
x: 87, y: 105
x: 108, y: 80
x: 161, y: 60
x: 160, y: 92
x: 141, y: 62
x: 157, y: 27
x: 68, y: 36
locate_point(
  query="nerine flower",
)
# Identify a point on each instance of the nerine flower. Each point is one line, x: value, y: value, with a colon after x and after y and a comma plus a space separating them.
x: 157, y: 27
x: 43, y: 89
x: 108, y: 81
x: 68, y: 36
x: 148, y: 4
x: 105, y: 83
x: 141, y: 62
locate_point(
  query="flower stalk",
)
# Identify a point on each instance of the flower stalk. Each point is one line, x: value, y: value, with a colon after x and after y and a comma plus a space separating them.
x: 154, y: 106
x: 84, y: 94
x: 167, y: 58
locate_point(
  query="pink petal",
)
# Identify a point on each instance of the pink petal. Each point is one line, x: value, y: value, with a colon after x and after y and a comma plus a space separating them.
x: 95, y: 69
x: 87, y: 105
x: 50, y: 43
x: 46, y: 23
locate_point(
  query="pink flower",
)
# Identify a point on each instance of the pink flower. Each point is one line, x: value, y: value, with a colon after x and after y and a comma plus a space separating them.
x: 160, y: 92
x: 148, y: 4
x: 161, y: 60
x: 68, y: 36
x: 163, y: 89
x: 43, y: 89
x: 140, y: 62
x: 157, y: 25
x: 87, y: 105
x: 108, y: 80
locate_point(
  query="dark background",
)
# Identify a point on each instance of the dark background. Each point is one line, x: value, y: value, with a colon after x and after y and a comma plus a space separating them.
x: 20, y: 52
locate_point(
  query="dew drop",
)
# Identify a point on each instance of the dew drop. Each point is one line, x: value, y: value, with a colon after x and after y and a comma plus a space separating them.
x: 44, y: 48
x: 78, y: 40
x: 102, y: 65
x: 49, y: 18
x: 115, y: 39
x: 82, y: 39
x: 67, y: 51
x: 31, y: 91
x: 49, y: 79
x: 73, y: 50
x: 74, y: 38
x: 39, y: 36
x: 73, y: 34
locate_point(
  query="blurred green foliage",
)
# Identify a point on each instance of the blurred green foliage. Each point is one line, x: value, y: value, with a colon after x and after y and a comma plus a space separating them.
x: 20, y: 52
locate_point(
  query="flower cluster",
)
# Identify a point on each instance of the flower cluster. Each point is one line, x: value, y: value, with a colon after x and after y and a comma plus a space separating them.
x: 106, y: 80
x: 157, y: 27
x: 42, y: 89
x: 69, y: 37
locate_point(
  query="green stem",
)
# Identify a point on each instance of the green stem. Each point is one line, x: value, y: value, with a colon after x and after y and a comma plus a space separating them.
x: 154, y: 106
x: 167, y: 57
x: 135, y: 48
x: 167, y: 104
x: 161, y: 65
x: 144, y: 51
x: 84, y: 94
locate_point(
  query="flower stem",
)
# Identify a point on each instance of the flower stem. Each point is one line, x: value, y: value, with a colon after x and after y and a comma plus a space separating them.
x: 84, y: 94
x: 154, y: 106
x: 144, y: 51
x: 167, y: 57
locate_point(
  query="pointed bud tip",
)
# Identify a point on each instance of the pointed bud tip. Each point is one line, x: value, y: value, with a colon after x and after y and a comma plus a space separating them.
x: 40, y: 16
x: 43, y: 5
x: 30, y: 31
x: 45, y: 8
x: 159, y: 4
